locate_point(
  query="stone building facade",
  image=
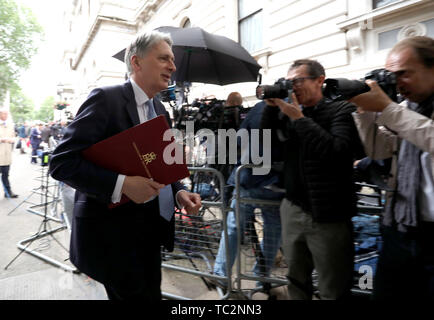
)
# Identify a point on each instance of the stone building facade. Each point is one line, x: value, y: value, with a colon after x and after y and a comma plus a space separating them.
x: 348, y: 37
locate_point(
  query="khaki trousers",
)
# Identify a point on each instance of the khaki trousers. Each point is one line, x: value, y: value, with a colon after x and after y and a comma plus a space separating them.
x: 326, y: 247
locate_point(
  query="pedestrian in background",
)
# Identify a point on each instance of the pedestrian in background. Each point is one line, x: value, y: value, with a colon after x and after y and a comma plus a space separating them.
x: 7, y: 141
x: 23, y: 135
x: 35, y: 141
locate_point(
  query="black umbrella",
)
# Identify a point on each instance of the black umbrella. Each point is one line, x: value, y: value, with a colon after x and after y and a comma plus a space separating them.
x: 204, y: 57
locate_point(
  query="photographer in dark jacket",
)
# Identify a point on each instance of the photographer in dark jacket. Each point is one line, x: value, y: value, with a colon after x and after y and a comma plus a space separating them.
x: 320, y: 143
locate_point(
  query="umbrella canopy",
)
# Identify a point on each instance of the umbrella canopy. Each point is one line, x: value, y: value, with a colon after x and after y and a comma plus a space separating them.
x: 204, y: 57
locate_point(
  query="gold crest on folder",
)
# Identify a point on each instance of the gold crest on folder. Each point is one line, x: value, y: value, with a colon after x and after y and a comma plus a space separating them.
x: 149, y: 157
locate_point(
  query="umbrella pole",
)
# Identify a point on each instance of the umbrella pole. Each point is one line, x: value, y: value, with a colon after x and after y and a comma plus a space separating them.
x: 186, y: 92
x: 188, y: 64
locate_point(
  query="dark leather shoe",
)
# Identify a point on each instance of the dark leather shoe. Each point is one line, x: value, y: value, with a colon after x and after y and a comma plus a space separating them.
x: 11, y: 195
x: 217, y: 283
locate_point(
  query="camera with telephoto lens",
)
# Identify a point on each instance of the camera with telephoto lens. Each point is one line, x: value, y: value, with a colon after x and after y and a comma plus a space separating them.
x: 280, y: 89
x: 169, y: 94
x: 344, y: 89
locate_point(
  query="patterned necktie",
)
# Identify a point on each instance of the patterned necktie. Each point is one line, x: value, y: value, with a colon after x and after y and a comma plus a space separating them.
x: 149, y: 110
x: 165, y: 199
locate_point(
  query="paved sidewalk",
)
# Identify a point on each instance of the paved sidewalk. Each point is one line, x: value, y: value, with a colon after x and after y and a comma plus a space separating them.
x: 30, y: 278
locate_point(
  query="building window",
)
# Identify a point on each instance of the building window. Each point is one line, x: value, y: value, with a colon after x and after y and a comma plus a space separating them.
x: 381, y: 3
x: 250, y: 24
x: 429, y: 27
x: 388, y: 39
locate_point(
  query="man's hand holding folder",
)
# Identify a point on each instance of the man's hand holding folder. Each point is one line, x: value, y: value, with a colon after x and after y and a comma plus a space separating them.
x: 140, y: 189
x: 137, y: 153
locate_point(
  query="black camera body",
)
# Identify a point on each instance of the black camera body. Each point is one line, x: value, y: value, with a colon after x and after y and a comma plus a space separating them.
x: 169, y: 94
x: 46, y: 157
x: 210, y: 114
x: 344, y: 89
x: 215, y: 115
x: 281, y: 89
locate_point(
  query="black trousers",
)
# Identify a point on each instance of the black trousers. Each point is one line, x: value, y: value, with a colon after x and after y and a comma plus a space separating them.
x: 405, y: 268
x: 122, y: 249
x: 140, y: 276
x: 5, y: 178
x: 142, y: 284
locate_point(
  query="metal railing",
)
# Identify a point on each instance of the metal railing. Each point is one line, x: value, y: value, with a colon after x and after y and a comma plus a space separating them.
x: 197, y: 239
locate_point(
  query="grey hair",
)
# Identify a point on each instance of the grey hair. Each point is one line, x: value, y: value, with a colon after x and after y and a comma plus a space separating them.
x: 142, y: 44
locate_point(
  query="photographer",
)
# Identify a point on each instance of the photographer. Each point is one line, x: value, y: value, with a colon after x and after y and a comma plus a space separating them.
x: 320, y: 140
x: 257, y: 187
x: 230, y: 119
x: 404, y: 132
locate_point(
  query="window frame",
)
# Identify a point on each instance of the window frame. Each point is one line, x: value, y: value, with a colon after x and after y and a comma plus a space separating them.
x: 243, y: 19
x: 374, y: 4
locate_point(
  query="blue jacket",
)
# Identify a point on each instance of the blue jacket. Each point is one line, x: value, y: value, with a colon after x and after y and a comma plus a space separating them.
x: 247, y: 178
x: 35, y: 137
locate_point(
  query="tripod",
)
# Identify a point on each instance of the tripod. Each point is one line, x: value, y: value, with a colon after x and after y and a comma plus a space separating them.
x: 43, y: 231
x: 42, y: 190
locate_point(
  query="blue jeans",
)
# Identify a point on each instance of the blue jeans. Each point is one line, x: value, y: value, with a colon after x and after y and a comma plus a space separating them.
x: 272, y: 231
x: 35, y: 155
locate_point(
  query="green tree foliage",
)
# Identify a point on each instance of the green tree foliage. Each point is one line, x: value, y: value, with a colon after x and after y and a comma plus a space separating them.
x: 20, y: 34
x: 22, y: 107
x: 46, y: 111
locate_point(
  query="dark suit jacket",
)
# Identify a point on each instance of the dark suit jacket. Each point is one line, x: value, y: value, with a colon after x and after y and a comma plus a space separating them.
x: 35, y: 141
x: 107, y: 243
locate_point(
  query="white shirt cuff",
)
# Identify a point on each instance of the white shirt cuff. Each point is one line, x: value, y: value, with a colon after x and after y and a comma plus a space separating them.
x: 176, y: 199
x: 117, y: 192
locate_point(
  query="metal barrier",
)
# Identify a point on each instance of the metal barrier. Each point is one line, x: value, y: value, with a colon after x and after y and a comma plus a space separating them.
x: 50, y: 202
x: 249, y: 252
x: 197, y: 240
x: 248, y: 246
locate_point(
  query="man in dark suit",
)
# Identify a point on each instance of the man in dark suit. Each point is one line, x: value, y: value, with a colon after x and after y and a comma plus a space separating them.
x: 35, y: 141
x: 120, y: 247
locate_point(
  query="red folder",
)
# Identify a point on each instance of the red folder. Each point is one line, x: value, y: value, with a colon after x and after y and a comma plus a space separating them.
x: 138, y: 151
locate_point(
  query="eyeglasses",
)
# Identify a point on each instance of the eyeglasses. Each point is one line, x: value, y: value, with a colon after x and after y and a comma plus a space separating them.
x: 296, y: 82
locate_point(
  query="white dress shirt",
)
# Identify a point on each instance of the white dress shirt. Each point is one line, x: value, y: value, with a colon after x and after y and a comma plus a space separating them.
x: 141, y: 98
